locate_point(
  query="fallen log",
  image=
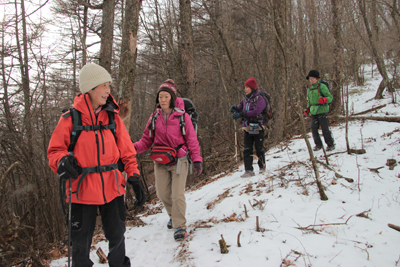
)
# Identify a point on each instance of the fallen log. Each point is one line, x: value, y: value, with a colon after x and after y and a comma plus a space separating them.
x: 369, y: 110
x: 338, y: 118
x: 395, y: 227
x: 338, y: 175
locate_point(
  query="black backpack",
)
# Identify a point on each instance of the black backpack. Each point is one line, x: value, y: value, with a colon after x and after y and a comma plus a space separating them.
x: 77, y: 128
x: 189, y: 109
x: 325, y: 83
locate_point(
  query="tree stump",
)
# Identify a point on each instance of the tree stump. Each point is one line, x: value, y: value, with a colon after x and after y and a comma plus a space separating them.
x: 222, y: 245
x: 102, y: 256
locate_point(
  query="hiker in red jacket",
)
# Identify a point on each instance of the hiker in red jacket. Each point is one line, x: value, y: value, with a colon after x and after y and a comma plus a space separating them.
x: 98, y: 186
x: 165, y: 132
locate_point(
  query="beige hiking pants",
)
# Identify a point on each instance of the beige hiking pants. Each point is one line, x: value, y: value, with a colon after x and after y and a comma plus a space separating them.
x: 170, y: 188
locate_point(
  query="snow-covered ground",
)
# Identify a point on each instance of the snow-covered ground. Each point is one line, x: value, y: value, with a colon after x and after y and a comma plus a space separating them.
x: 296, y: 228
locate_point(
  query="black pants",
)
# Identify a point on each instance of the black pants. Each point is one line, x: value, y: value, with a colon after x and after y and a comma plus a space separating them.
x: 316, y: 121
x: 258, y: 140
x: 83, y: 222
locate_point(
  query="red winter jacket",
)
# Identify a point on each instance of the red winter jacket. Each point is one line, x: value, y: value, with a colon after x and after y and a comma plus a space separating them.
x: 170, y: 134
x: 91, y: 150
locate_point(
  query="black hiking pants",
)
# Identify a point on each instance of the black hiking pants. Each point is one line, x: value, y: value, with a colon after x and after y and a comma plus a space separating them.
x: 83, y: 222
x: 323, y: 121
x: 258, y: 141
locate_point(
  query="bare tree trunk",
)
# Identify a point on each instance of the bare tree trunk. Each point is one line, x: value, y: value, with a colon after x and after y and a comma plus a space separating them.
x: 83, y: 33
x: 336, y: 106
x: 23, y: 58
x: 314, y: 24
x: 186, y: 45
x: 127, y: 67
x: 107, y: 34
x: 377, y: 55
x: 395, y: 14
x: 310, y: 151
x: 302, y: 37
x: 280, y: 67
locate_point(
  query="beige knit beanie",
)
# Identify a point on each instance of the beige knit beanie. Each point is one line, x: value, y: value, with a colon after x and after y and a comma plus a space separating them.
x: 92, y: 75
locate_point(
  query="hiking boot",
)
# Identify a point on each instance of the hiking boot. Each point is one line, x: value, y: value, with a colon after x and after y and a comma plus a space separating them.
x: 169, y: 224
x: 330, y: 148
x: 247, y: 174
x: 180, y: 234
x: 316, y: 148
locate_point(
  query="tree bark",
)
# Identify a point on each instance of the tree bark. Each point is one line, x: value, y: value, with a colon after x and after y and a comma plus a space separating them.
x: 24, y: 69
x: 310, y: 151
x: 280, y: 68
x: 336, y: 106
x: 377, y: 55
x: 127, y: 67
x: 107, y: 34
x: 187, y: 50
x: 314, y: 25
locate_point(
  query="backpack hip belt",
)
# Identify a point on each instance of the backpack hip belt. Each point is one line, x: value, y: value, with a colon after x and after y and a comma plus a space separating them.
x: 85, y: 171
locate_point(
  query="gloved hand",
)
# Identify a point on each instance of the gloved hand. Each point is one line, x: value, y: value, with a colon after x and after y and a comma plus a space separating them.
x: 307, y: 111
x: 234, y: 109
x: 236, y: 115
x: 322, y: 100
x: 136, y: 183
x: 197, y: 168
x: 68, y: 168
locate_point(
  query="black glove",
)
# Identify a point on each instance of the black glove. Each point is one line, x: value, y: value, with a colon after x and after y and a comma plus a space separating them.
x: 136, y: 183
x: 68, y: 168
x: 197, y: 168
x: 236, y: 115
x: 234, y: 109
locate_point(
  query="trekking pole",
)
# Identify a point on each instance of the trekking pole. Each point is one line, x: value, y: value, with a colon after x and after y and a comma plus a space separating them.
x: 235, y: 141
x: 69, y: 222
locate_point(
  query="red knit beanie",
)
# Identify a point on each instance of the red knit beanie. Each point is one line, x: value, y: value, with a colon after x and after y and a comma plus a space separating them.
x: 251, y: 82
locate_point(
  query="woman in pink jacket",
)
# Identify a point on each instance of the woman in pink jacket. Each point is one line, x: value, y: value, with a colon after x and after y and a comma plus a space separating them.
x: 166, y: 131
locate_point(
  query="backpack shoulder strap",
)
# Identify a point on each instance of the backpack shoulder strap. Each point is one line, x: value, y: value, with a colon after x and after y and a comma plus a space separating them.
x: 182, y: 123
x: 76, y: 122
x: 153, y: 122
x: 111, y: 123
x: 319, y: 92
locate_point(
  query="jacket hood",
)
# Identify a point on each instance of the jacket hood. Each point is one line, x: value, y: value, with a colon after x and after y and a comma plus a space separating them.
x: 82, y: 101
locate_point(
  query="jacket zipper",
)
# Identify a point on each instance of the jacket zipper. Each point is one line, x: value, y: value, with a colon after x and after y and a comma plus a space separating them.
x: 98, y: 160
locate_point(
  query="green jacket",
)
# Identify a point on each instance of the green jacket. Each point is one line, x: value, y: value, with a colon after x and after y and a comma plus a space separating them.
x: 313, y: 94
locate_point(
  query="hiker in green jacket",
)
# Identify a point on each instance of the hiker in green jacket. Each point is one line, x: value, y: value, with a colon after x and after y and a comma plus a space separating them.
x: 318, y: 99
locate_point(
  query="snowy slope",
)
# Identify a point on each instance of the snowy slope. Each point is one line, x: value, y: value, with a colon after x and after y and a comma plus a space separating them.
x: 285, y: 198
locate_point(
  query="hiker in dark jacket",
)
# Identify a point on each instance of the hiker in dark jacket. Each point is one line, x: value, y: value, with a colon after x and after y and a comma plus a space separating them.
x: 250, y: 109
x: 318, y: 99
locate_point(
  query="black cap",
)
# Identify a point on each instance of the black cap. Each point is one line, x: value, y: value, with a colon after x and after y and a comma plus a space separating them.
x: 313, y: 73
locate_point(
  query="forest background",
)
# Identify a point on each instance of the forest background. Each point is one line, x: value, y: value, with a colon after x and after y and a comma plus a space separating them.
x: 210, y: 48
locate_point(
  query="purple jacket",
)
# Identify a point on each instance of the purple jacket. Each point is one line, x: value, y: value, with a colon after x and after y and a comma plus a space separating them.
x: 170, y: 134
x: 253, y: 106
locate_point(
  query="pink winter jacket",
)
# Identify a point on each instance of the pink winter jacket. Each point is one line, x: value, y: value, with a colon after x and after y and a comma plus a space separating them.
x: 170, y: 134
